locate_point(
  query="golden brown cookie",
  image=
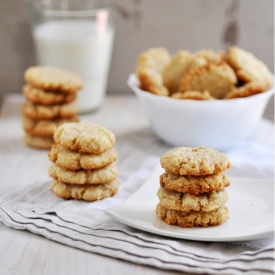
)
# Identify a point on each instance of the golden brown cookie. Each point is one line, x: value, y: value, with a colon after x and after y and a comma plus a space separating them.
x: 151, y: 81
x: 192, y: 218
x: 195, y: 161
x: 248, y: 89
x: 180, y: 64
x: 217, y: 79
x: 194, y: 184
x: 49, y: 112
x: 186, y: 202
x: 192, y: 95
x: 148, y: 70
x: 248, y: 68
x: 84, y: 137
x: 43, y: 127
x: 154, y: 59
x: 93, y: 176
x: 50, y: 78
x: 42, y: 97
x: 38, y: 141
x: 85, y: 192
x: 74, y: 161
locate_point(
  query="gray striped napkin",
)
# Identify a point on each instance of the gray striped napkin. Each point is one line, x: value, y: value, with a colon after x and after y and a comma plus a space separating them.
x: 85, y: 226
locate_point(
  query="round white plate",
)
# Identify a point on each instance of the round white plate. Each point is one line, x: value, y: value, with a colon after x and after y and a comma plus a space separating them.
x: 251, y: 212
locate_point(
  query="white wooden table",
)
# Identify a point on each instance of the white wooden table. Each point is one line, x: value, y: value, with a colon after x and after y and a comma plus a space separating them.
x: 22, y: 252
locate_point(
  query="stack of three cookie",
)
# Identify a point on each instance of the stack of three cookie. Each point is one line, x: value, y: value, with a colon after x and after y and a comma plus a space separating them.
x: 83, y: 162
x: 192, y: 191
x: 50, y: 93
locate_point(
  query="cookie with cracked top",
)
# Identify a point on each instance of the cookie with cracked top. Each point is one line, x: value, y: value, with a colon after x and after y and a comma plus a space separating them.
x: 196, y: 161
x: 51, y: 78
x: 84, y: 137
x: 216, y: 78
x: 181, y: 63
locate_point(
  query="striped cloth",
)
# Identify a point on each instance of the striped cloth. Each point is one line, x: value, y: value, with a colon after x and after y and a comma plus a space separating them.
x: 85, y: 226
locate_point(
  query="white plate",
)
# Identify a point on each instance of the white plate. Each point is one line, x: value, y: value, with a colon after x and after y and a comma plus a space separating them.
x: 251, y: 212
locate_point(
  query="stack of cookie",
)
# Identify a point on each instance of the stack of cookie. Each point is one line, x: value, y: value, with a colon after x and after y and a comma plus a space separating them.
x: 50, y: 93
x: 83, y: 162
x: 192, y: 191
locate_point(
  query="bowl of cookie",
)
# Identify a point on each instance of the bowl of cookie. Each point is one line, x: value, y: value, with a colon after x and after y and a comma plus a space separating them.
x: 207, y: 98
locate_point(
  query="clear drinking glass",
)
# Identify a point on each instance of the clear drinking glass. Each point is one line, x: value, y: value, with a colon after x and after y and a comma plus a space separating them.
x: 76, y: 36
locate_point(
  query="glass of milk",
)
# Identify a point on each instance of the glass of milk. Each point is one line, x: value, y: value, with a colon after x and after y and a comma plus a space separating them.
x: 76, y: 36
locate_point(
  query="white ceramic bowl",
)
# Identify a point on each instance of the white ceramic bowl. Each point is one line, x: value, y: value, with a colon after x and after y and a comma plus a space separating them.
x: 219, y: 124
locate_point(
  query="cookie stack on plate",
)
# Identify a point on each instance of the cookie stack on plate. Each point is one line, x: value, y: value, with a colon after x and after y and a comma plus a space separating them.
x: 83, y: 162
x: 50, y: 93
x: 192, y: 191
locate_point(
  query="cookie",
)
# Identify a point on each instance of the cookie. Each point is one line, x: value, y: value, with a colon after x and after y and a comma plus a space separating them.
x: 248, y: 89
x: 86, y: 192
x: 186, y: 202
x: 211, y: 56
x: 217, y: 79
x: 43, y: 127
x: 148, y: 70
x: 154, y: 59
x: 84, y: 137
x: 49, y: 112
x: 38, y: 141
x: 180, y: 64
x: 192, y: 218
x: 74, y: 161
x: 192, y: 95
x: 248, y: 68
x: 42, y: 97
x: 194, y: 184
x: 152, y: 82
x: 195, y: 161
x: 50, y: 78
x: 93, y: 176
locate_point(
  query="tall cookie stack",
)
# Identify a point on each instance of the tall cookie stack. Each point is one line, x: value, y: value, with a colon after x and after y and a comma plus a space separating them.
x: 83, y: 162
x: 50, y: 93
x: 192, y: 191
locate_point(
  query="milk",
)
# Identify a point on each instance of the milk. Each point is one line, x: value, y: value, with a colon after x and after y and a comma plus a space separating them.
x: 80, y: 46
